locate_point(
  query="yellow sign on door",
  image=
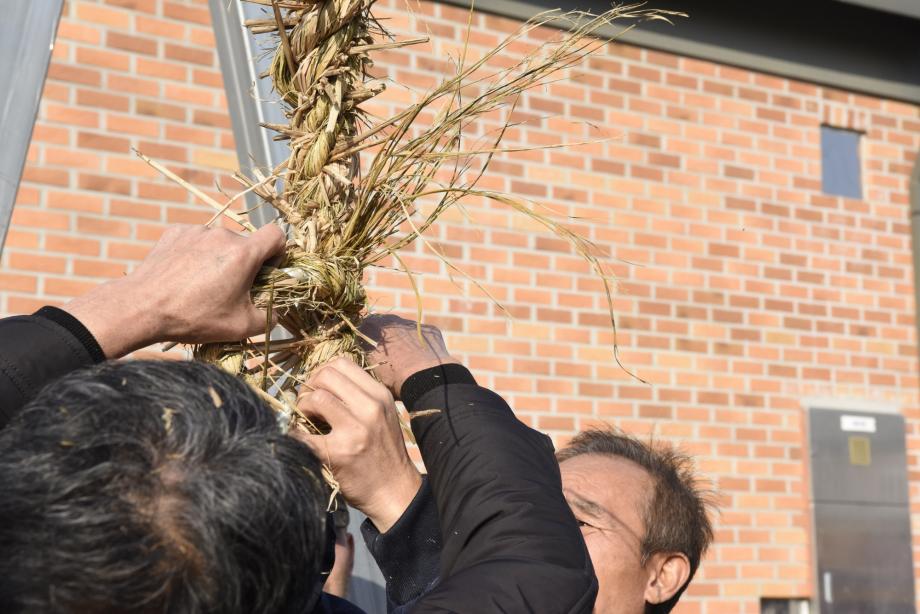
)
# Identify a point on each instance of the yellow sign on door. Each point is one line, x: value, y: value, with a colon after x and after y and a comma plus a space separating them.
x: 860, y: 450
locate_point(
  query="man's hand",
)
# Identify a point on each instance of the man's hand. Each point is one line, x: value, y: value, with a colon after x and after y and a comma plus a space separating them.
x: 365, y: 448
x: 400, y: 352
x: 193, y: 287
x: 340, y: 575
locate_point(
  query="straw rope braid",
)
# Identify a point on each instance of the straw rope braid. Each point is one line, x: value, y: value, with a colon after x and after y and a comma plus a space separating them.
x: 317, y: 73
x: 319, y: 69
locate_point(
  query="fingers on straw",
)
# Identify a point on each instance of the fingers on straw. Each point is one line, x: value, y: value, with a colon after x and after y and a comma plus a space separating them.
x: 360, y: 378
x: 256, y: 319
x: 359, y: 393
x: 321, y: 405
x: 270, y: 240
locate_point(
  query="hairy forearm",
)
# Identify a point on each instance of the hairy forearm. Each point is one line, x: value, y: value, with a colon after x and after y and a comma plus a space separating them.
x: 122, y: 316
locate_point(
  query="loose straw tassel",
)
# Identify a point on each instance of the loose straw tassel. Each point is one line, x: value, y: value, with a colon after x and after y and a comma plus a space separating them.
x: 341, y: 221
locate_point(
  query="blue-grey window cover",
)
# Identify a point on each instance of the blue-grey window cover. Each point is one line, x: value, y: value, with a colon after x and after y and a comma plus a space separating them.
x: 840, y: 164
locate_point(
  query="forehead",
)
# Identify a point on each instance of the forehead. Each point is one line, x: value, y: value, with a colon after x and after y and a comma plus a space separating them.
x: 618, y: 485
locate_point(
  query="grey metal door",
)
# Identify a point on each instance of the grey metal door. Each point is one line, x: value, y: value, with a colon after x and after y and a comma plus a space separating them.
x: 861, y: 513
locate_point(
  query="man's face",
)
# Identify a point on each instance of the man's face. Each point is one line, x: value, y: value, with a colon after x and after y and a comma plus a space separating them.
x: 607, y: 495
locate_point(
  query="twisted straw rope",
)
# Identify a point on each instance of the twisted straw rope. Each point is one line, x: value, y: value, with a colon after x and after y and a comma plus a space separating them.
x: 319, y: 69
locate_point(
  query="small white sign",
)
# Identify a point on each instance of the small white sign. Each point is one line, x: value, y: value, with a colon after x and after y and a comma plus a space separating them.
x: 858, y: 424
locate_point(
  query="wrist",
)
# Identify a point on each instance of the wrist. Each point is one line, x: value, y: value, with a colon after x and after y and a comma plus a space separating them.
x: 409, y: 370
x: 118, y: 315
x: 386, y: 512
x: 422, y: 382
x: 75, y: 328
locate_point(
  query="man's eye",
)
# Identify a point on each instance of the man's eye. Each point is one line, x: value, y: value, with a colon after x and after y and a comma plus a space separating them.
x: 582, y: 523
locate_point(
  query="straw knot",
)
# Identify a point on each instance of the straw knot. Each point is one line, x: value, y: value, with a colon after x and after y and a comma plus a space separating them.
x: 330, y: 284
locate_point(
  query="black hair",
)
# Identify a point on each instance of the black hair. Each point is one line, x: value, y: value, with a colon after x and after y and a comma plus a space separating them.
x: 675, y: 516
x: 154, y: 486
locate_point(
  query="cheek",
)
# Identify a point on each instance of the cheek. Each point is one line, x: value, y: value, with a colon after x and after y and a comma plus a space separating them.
x: 620, y: 578
x: 614, y: 563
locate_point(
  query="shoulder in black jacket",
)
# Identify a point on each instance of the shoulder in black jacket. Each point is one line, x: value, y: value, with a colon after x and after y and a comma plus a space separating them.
x: 37, y: 349
x: 509, y: 542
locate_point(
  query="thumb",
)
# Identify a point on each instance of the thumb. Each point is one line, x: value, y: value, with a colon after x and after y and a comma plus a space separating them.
x: 256, y: 320
x: 269, y: 241
x: 317, y: 443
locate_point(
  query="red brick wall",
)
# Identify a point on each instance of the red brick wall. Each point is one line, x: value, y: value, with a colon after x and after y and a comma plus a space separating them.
x: 743, y: 290
x: 124, y: 73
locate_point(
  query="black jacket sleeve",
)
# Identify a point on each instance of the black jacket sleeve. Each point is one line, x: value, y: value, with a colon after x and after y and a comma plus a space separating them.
x: 330, y: 604
x: 37, y: 349
x: 408, y: 553
x: 509, y: 541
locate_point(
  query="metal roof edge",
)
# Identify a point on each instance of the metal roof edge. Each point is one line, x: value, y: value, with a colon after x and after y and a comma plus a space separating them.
x: 883, y: 88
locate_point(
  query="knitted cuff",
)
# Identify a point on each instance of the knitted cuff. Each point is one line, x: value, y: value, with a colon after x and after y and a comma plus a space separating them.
x: 75, y: 328
x: 427, y: 380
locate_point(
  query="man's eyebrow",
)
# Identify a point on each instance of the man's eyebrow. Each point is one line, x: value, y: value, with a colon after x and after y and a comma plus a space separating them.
x: 595, y: 510
x: 589, y: 507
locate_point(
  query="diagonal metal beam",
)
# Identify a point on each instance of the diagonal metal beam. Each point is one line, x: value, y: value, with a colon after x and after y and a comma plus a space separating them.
x: 915, y: 234
x: 27, y: 33
x: 241, y: 60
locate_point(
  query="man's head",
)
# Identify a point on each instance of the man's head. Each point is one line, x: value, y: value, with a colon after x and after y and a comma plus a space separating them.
x: 643, y: 516
x: 156, y: 487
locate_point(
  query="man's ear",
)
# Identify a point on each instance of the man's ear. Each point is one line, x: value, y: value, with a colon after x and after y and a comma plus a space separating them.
x: 667, y: 573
